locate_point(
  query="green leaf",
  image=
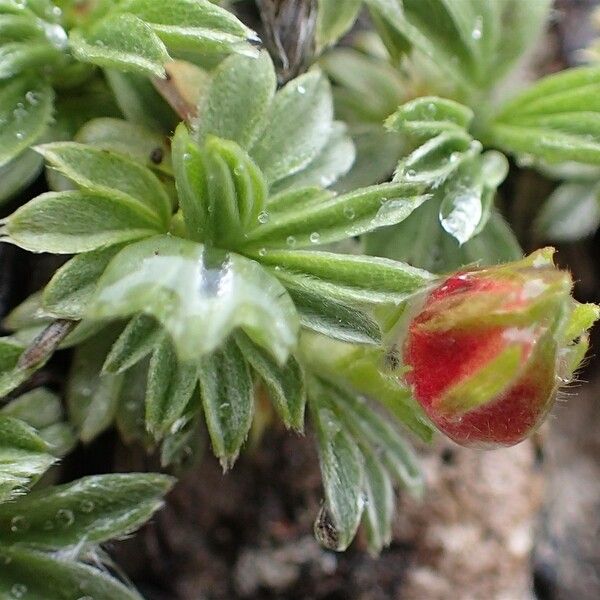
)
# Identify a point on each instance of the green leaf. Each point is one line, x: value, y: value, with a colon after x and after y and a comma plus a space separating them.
x: 236, y: 105
x: 340, y: 217
x: 51, y: 577
x: 343, y: 476
x: 334, y: 161
x: 121, y: 41
x: 95, y: 509
x: 70, y: 289
x: 24, y: 457
x: 222, y: 191
x: 140, y: 102
x: 139, y: 338
x: 557, y: 119
x: 356, y: 76
x: 429, y: 116
x: 379, y: 502
x: 110, y: 174
x: 199, y: 295
x: 93, y: 396
x: 299, y: 126
x: 349, y: 278
x: 38, y: 408
x: 25, y: 112
x: 333, y: 318
x: 141, y: 144
x: 19, y: 173
x: 77, y: 221
x: 438, y: 158
x: 228, y: 400
x: 582, y: 317
x: 171, y: 384
x: 334, y: 19
x: 193, y: 25
x: 19, y: 57
x: 366, y: 423
x: 131, y: 411
x: 284, y: 383
x: 570, y: 213
x: 472, y: 41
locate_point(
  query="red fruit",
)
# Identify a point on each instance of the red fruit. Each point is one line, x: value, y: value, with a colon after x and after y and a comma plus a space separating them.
x: 485, y: 351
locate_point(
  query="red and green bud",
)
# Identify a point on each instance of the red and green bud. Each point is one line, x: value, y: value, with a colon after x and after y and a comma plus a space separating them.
x: 490, y: 347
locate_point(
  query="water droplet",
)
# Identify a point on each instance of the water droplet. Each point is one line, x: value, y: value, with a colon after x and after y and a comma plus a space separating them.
x: 18, y: 524
x: 290, y: 241
x: 478, y: 28
x: 315, y: 237
x: 349, y: 212
x: 383, y: 200
x: 301, y: 89
x: 19, y: 135
x: 87, y: 506
x: 20, y: 111
x: 56, y: 35
x: 431, y: 109
x: 20, y: 3
x: 65, y: 517
x: 262, y: 252
x: 224, y: 407
x: 85, y: 598
x: 263, y: 217
x: 187, y: 156
x: 31, y: 97
x: 18, y: 590
x: 410, y: 173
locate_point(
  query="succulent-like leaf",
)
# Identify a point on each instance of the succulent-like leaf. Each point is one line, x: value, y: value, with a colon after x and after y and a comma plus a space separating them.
x: 334, y: 20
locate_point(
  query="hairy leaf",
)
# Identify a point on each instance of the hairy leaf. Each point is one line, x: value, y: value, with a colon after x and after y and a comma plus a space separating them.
x: 110, y: 174
x: 25, y: 112
x: 284, y: 383
x: 171, y: 384
x: 236, y: 105
x: 340, y: 217
x: 199, y: 295
x: 299, y: 126
x: 55, y: 578
x: 121, y: 41
x: 228, y: 400
x: 24, y: 457
x: 77, y: 221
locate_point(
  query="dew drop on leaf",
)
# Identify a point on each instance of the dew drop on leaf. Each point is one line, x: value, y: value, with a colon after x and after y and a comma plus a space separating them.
x: 18, y: 590
x: 263, y: 217
x: 291, y: 241
x: 314, y: 237
x: 301, y: 90
x: 86, y: 506
x: 65, y: 517
x: 349, y: 212
x: 477, y: 29
x: 31, y: 97
x: 19, y: 523
x: 262, y: 252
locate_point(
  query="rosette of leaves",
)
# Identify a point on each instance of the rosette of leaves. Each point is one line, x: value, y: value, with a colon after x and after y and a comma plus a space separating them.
x: 194, y: 302
x: 49, y: 52
x: 50, y: 538
x: 473, y: 44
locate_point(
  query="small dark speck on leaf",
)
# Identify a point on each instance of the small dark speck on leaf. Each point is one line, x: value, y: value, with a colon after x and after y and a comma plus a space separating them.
x: 157, y: 155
